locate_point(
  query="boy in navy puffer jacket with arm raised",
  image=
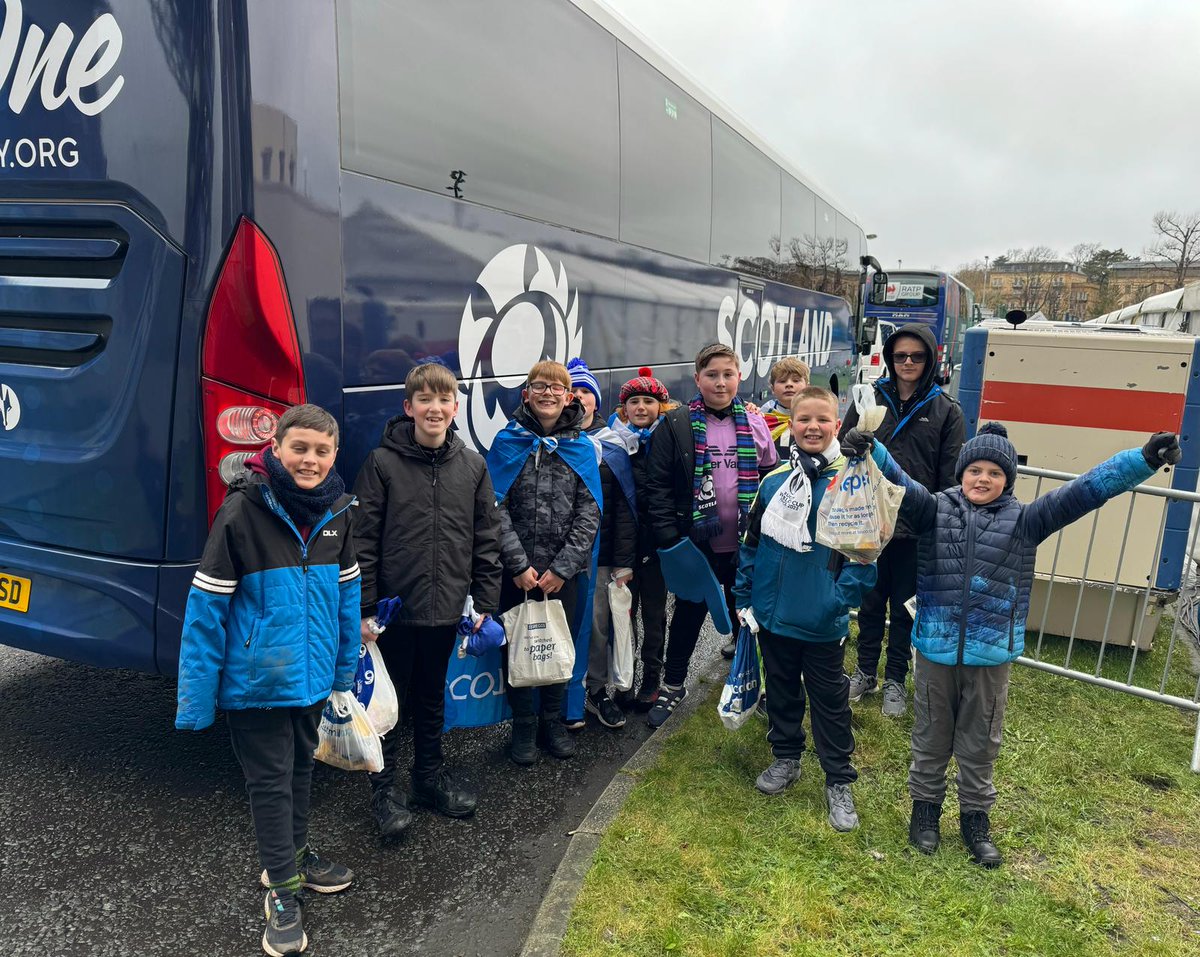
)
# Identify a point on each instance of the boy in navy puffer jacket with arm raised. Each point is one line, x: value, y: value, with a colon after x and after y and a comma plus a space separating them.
x: 271, y: 628
x: 978, y: 545
x: 801, y: 593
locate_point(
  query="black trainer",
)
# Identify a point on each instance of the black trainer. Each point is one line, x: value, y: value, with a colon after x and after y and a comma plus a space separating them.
x: 607, y: 712
x: 924, y: 827
x: 729, y: 649
x: 977, y: 835
x: 555, y: 738
x: 323, y: 876
x: 647, y: 693
x: 285, y: 924
x: 524, y: 740
x: 393, y: 815
x: 442, y: 794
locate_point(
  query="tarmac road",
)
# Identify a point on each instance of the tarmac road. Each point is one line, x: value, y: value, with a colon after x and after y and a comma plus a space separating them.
x: 122, y: 836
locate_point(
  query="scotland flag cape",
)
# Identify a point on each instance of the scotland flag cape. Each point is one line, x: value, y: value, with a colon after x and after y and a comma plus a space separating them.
x: 505, y: 460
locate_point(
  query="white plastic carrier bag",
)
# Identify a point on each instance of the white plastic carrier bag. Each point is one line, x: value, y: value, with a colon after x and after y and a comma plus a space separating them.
x: 346, y: 738
x: 374, y: 689
x: 870, y: 415
x: 620, y: 652
x: 858, y: 512
x: 541, y: 650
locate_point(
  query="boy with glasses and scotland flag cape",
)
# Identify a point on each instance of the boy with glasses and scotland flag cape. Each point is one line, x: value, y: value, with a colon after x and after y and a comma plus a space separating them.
x: 547, y: 483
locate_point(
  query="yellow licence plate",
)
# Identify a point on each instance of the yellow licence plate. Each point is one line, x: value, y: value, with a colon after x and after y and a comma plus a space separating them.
x: 14, y: 592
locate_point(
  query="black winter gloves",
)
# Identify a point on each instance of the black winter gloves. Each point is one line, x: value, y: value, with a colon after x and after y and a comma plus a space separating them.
x: 857, y: 443
x: 1162, y: 449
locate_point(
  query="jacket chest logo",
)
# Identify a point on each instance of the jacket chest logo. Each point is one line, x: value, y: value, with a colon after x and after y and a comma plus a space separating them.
x: 329, y: 533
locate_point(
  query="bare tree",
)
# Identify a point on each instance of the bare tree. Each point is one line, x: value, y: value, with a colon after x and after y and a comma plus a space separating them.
x: 1178, y: 241
x: 1082, y: 254
x: 1033, y: 285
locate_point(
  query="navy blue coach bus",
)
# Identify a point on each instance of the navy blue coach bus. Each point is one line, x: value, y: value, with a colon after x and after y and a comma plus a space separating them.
x: 212, y: 209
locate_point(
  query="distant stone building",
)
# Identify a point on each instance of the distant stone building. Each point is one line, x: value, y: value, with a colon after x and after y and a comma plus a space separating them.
x: 1056, y: 288
x: 1140, y: 279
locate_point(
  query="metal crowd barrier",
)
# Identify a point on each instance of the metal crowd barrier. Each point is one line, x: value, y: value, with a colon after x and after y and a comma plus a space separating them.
x: 1080, y: 596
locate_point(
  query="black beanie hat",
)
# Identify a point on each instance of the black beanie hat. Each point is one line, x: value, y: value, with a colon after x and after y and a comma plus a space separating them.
x: 991, y: 444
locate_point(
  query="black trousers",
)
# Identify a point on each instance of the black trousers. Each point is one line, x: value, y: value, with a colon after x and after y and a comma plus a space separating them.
x: 800, y: 672
x: 897, y: 583
x: 551, y: 696
x: 275, y: 748
x: 416, y: 659
x: 650, y: 600
x: 689, y: 617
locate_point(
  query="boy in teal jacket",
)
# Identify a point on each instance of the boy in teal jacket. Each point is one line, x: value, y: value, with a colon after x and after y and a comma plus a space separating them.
x: 801, y: 594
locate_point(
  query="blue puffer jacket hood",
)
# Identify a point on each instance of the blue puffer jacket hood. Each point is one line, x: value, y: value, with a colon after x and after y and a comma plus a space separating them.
x: 975, y: 562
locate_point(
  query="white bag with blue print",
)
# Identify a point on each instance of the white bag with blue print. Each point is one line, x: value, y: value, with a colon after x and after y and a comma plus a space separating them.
x: 858, y: 512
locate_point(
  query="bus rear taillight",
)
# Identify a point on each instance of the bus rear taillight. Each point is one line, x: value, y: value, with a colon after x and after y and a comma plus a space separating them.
x: 252, y: 367
x: 875, y: 358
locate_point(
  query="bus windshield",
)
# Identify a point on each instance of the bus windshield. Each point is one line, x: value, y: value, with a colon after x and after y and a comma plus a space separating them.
x: 911, y: 289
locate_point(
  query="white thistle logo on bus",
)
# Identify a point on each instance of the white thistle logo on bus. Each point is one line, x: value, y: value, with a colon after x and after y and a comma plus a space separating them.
x: 10, y: 408
x: 93, y: 59
x: 528, y: 313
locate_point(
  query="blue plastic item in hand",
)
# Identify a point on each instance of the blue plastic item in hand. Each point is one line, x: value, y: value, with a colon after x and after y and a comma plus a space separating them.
x: 386, y: 610
x: 476, y: 642
x: 688, y: 574
x: 490, y: 635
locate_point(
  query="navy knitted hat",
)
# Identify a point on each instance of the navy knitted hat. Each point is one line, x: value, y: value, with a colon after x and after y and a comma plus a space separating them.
x: 990, y: 444
x: 582, y: 378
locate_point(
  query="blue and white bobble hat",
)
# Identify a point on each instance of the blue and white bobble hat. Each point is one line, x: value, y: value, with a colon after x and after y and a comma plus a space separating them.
x: 582, y: 378
x: 992, y: 445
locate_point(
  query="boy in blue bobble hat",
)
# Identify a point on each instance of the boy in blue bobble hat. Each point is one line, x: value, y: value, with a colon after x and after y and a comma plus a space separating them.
x: 977, y: 552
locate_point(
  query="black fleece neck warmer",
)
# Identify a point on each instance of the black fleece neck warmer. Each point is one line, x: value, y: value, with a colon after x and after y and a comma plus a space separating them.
x: 305, y: 507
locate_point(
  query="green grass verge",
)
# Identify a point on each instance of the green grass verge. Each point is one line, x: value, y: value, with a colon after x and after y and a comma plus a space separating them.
x: 1098, y: 818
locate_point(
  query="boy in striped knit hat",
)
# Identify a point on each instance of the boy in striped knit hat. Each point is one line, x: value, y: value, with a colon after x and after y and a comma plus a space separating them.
x: 704, y: 469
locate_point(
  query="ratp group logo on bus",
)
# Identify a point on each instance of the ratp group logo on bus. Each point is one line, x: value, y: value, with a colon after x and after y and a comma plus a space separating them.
x: 526, y: 312
x: 10, y: 408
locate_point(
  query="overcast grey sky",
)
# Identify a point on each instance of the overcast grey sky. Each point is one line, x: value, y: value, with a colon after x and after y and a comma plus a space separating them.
x: 955, y: 129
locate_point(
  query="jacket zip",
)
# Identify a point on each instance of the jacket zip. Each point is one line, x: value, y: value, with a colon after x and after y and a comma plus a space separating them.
x: 436, y: 543
x: 968, y: 574
x: 933, y: 392
x: 275, y: 507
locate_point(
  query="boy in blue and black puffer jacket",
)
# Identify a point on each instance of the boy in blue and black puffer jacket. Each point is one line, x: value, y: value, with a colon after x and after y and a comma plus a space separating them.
x: 271, y: 628
x: 977, y: 549
x: 801, y: 593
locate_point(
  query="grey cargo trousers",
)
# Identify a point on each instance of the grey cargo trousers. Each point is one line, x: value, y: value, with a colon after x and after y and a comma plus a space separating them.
x: 957, y: 710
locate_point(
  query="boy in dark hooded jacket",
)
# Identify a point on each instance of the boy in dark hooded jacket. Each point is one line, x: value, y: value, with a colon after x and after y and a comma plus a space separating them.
x: 271, y: 628
x: 923, y: 430
x: 978, y: 550
x: 428, y: 532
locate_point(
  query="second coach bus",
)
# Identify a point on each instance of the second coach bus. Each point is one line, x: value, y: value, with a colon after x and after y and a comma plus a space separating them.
x: 213, y: 209
x: 936, y: 299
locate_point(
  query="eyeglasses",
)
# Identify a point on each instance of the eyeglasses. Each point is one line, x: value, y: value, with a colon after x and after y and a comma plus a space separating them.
x: 554, y: 388
x: 916, y: 358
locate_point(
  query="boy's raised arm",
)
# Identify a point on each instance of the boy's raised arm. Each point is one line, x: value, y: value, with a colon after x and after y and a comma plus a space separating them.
x: 202, y: 650
x: 349, y: 612
x: 1068, y: 503
x: 486, y: 571
x: 919, y: 507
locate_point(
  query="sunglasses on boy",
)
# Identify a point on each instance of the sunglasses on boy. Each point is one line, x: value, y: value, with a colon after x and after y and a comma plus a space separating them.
x: 916, y: 358
x: 554, y: 388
